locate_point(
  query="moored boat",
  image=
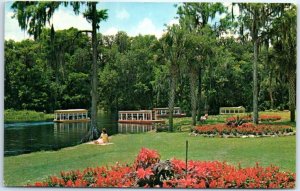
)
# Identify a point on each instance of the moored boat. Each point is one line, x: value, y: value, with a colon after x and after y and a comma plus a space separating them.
x: 164, y: 112
x: 139, y: 116
x: 71, y: 115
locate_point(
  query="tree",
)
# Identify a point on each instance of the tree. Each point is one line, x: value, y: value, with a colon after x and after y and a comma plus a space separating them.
x: 194, y: 17
x: 255, y: 17
x: 33, y: 16
x: 173, y: 43
x: 284, y: 30
x: 199, y: 47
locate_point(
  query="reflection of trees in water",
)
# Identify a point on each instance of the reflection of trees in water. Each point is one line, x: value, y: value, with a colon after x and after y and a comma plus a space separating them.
x: 134, y: 128
x: 70, y: 127
x: 80, y: 127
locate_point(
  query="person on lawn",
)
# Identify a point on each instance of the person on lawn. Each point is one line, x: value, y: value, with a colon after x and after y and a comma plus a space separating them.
x: 103, y: 137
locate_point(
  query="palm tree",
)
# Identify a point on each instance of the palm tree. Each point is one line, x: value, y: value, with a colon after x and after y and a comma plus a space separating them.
x: 255, y: 17
x: 173, y: 43
x: 284, y: 30
x: 194, y: 17
x: 199, y: 47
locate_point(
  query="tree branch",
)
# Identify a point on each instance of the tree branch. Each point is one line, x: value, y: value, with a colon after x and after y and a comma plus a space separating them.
x: 82, y: 31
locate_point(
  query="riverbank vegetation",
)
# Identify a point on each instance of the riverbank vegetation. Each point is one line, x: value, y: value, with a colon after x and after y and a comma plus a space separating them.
x: 11, y: 115
x: 33, y: 167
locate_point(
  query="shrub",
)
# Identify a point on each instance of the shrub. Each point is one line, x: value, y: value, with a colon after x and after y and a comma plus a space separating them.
x: 234, y: 119
x: 246, y: 118
x: 217, y: 174
x: 148, y: 171
x: 270, y: 117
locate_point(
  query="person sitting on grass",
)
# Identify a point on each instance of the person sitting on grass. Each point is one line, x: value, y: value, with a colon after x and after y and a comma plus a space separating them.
x: 103, y: 137
x: 204, y: 118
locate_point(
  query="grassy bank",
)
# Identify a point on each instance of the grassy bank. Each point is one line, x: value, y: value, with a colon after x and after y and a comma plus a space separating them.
x: 28, y: 168
x: 25, y: 115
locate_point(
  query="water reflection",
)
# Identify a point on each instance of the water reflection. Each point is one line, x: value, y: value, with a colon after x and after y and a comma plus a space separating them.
x: 26, y: 137
x: 60, y: 128
x: 134, y: 128
x: 19, y: 139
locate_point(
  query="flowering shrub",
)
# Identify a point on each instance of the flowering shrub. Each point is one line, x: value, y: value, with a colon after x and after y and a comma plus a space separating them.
x: 246, y: 118
x: 249, y: 118
x: 152, y: 173
x: 245, y: 129
x: 270, y: 117
x: 216, y: 174
x: 146, y: 158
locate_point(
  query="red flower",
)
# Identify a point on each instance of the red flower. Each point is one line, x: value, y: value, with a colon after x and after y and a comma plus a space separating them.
x: 38, y: 184
x: 69, y: 183
x: 141, y: 173
x: 200, y: 174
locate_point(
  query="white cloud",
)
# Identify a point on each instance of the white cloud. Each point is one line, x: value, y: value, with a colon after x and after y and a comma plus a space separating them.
x: 65, y: 19
x: 12, y: 29
x: 122, y: 14
x: 9, y: 14
x: 62, y: 19
x: 111, y: 31
x: 173, y: 22
x: 236, y: 10
x: 146, y: 26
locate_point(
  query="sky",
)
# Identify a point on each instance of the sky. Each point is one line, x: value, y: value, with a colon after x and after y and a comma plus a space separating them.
x: 134, y: 18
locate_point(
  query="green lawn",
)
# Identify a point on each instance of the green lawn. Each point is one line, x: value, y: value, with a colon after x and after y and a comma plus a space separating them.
x: 28, y: 168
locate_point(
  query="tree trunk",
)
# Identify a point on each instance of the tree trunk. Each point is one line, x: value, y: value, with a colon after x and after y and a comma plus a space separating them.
x: 292, y: 94
x: 255, y: 83
x: 193, y: 82
x: 199, y: 94
x: 94, y: 70
x: 271, y: 90
x: 157, y: 98
x: 255, y: 40
x: 172, y: 99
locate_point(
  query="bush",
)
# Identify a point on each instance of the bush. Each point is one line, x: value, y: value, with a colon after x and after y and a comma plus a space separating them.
x: 234, y: 119
x: 149, y: 171
x: 270, y: 117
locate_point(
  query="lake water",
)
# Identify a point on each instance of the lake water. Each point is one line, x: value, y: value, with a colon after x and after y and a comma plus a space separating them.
x: 26, y: 137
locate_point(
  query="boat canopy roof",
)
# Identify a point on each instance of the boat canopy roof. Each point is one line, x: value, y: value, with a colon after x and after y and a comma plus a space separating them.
x: 165, y: 108
x: 71, y: 111
x: 239, y: 107
x: 137, y: 111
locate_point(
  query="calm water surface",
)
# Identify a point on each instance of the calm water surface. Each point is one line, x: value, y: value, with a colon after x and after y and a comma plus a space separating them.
x: 26, y: 137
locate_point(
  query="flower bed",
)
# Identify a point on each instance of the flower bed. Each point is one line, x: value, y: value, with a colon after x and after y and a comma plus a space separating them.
x: 244, y: 129
x: 249, y: 118
x: 234, y: 119
x: 149, y: 171
x: 270, y: 117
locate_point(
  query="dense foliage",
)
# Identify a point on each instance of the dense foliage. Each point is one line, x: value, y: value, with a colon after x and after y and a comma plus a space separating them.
x: 149, y: 171
x: 54, y: 71
x: 132, y: 77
